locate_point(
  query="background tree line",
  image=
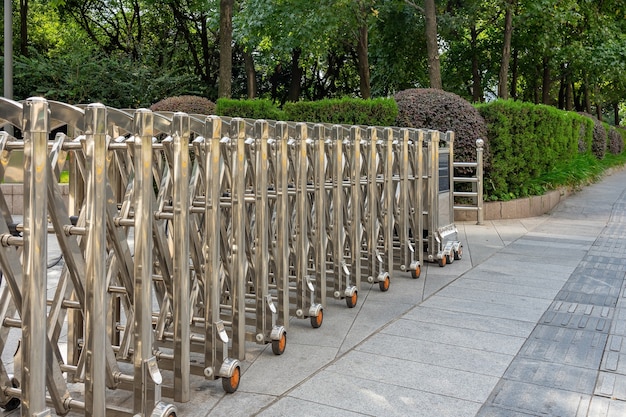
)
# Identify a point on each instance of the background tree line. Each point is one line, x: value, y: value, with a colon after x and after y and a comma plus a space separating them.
x: 130, y: 53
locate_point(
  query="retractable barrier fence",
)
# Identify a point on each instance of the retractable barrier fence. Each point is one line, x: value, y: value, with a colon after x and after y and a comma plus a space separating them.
x: 190, y: 236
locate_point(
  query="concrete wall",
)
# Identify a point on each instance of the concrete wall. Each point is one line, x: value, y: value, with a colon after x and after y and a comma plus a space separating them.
x: 517, y: 209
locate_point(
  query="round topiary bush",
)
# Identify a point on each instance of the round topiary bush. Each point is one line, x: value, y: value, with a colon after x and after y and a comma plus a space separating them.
x: 616, y: 142
x: 598, y: 145
x: 186, y: 104
x: 428, y: 108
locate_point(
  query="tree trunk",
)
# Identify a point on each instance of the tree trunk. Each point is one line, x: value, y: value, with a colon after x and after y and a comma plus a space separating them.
x: 477, y: 90
x: 503, y: 91
x: 514, y: 73
x: 616, y: 114
x: 364, y: 66
x: 599, y: 111
x: 587, y: 95
x: 432, y: 47
x: 250, y: 74
x: 224, y: 88
x: 546, y: 84
x: 24, y: 27
x: 296, y: 76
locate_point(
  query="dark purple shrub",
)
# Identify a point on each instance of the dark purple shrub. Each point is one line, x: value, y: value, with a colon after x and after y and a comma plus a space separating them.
x: 186, y: 104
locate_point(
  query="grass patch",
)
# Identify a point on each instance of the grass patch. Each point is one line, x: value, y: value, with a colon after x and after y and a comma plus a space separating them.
x: 583, y: 170
x: 64, y: 177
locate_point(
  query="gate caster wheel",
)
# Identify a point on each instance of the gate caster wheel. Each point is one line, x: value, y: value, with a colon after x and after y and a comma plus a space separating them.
x: 352, y: 300
x: 14, y: 402
x: 442, y: 261
x: 278, y: 346
x: 415, y: 273
x: 458, y: 254
x: 231, y: 383
x: 384, y: 284
x: 316, y: 321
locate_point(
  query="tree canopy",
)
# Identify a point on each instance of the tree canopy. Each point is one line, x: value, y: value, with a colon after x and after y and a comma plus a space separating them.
x: 570, y: 54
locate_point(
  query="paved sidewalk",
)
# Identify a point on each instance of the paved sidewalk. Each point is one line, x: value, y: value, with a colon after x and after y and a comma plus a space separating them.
x: 531, y: 322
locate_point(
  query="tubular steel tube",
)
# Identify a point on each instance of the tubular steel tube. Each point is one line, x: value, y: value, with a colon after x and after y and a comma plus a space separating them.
x: 282, y: 214
x: 34, y: 284
x: 95, y: 285
x: 181, y: 285
x: 144, y: 388
x: 479, y: 177
x: 238, y: 275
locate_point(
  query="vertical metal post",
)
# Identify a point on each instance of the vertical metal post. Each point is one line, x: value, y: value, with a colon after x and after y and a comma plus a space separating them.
x: 373, y: 200
x: 261, y: 262
x: 338, y: 231
x: 282, y: 214
x: 403, y: 202
x: 238, y: 275
x: 181, y: 285
x: 450, y: 141
x: 34, y: 285
x: 433, y: 193
x: 356, y: 228
x: 96, y: 255
x: 214, y: 165
x: 479, y: 180
x: 302, y: 211
x: 144, y: 387
x: 418, y: 235
x: 319, y: 232
x: 388, y: 195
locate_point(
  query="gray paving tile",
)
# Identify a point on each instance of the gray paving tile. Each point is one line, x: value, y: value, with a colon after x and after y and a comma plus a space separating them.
x: 375, y: 398
x: 566, y: 346
x: 517, y: 288
x: 611, y: 385
x: 540, y: 400
x: 409, y: 374
x: 606, y: 407
x: 498, y: 325
x: 578, y: 316
x: 423, y: 351
x: 547, y: 374
x: 456, y: 336
x: 289, y: 407
x: 265, y: 375
x: 524, y: 312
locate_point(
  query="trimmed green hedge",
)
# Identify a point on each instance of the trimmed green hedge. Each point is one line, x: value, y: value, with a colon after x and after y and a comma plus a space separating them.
x: 375, y: 112
x: 251, y: 109
x: 527, y: 141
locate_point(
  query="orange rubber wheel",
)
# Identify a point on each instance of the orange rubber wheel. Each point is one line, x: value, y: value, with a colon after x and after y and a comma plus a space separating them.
x: 278, y: 346
x: 458, y: 254
x: 442, y: 261
x: 384, y: 284
x: 352, y: 300
x: 316, y: 321
x: 415, y: 273
x: 231, y: 383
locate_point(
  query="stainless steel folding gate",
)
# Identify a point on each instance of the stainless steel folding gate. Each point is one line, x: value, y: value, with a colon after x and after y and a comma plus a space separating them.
x: 187, y: 236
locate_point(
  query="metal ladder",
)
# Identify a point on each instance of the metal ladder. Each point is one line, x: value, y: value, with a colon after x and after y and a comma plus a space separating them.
x: 477, y: 184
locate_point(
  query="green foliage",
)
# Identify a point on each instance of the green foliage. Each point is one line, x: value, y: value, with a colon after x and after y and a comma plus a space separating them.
x: 375, y: 112
x: 252, y: 109
x: 436, y: 109
x: 186, y: 104
x: 528, y: 141
x: 82, y: 77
